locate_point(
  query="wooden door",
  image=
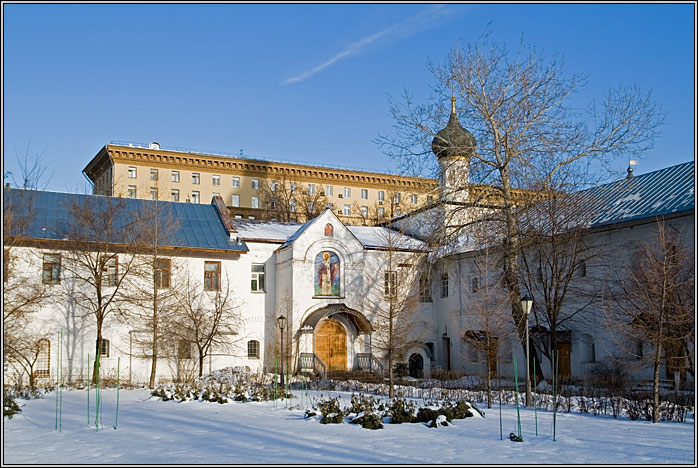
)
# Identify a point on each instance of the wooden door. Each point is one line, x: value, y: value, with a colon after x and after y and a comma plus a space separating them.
x: 564, y: 366
x: 331, y: 344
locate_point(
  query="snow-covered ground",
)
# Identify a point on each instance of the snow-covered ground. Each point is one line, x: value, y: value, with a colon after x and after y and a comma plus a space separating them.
x: 151, y: 431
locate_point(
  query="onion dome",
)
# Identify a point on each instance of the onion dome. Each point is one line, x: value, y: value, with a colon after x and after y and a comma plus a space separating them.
x: 453, y: 140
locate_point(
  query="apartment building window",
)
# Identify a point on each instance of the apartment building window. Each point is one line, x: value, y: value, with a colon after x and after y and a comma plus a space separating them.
x: 195, y: 178
x: 104, y: 348
x: 255, y: 184
x: 255, y: 202
x: 444, y: 284
x: 292, y: 206
x: 236, y: 200
x: 131, y: 191
x: 153, y: 193
x: 253, y: 349
x: 216, y: 180
x: 311, y: 189
x: 51, y: 269
x: 582, y: 269
x: 274, y: 185
x: 175, y: 176
x: 212, y: 276
x: 381, y: 195
x: 396, y: 197
x: 328, y: 190
x: 364, y: 194
x: 364, y: 211
x: 195, y: 197
x: 347, y: 192
x: 110, y: 271
x: 311, y: 207
x: 250, y: 217
x: 413, y: 199
x: 381, y: 212
x: 153, y: 174
x: 347, y: 210
x: 236, y: 182
x: 329, y: 205
x: 131, y: 172
x: 474, y: 284
x: 292, y: 187
x: 424, y: 288
x: 257, y: 280
x: 390, y: 284
x: 175, y: 194
x: 161, y: 273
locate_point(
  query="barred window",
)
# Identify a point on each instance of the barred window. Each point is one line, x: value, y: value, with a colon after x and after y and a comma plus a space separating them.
x: 212, y: 276
x: 253, y: 349
x: 51, y: 269
x: 257, y: 280
x: 390, y: 286
x: 162, y: 273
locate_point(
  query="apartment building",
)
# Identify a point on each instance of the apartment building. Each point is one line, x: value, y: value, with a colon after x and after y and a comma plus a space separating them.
x: 249, y: 186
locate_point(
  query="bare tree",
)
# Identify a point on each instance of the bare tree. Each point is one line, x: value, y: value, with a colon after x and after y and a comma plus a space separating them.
x: 287, y: 200
x: 520, y: 108
x: 102, y: 236
x: 652, y: 301
x: 206, y: 316
x: 395, y: 300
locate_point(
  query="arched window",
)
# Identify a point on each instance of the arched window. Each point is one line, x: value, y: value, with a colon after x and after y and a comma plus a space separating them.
x: 253, y: 349
x: 327, y: 274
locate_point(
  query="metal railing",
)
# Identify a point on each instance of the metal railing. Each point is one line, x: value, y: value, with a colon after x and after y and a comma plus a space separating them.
x: 309, y: 362
x: 368, y: 362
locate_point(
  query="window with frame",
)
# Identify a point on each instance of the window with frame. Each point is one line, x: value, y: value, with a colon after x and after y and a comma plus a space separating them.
x: 104, y: 346
x: 255, y: 184
x: 381, y: 212
x: 153, y: 174
x: 413, y: 199
x: 161, y: 273
x: 132, y: 172
x: 131, y: 191
x: 274, y: 185
x: 212, y: 276
x: 329, y: 205
x: 328, y: 190
x: 424, y: 288
x: 311, y: 207
x: 311, y: 189
x: 42, y: 368
x: 390, y: 284
x: 110, y: 271
x: 257, y: 280
x: 195, y: 178
x: 175, y: 176
x: 236, y: 182
x: 195, y: 197
x: 174, y: 194
x: 396, y: 197
x: 347, y: 210
x: 253, y: 349
x: 236, y: 201
x: 255, y: 202
x: 444, y: 284
x: 364, y: 211
x: 474, y: 284
x: 292, y: 206
x: 51, y: 269
x: 381, y: 195
x: 153, y: 193
x: 347, y: 192
x: 292, y: 187
x: 364, y: 194
x: 216, y: 180
x: 582, y: 269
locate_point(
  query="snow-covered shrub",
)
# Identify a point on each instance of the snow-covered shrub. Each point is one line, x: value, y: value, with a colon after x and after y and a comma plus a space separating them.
x: 401, y: 411
x: 331, y: 411
x: 10, y: 407
x: 369, y: 420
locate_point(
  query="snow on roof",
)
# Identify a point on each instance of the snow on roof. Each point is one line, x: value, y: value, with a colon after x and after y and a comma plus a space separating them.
x: 381, y: 237
x: 271, y: 231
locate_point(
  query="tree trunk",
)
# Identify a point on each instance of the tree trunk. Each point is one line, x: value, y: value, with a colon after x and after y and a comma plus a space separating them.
x: 154, y: 363
x: 95, y: 367
x: 655, y: 383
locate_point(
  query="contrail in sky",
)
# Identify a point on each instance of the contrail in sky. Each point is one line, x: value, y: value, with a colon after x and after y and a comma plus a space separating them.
x: 412, y: 25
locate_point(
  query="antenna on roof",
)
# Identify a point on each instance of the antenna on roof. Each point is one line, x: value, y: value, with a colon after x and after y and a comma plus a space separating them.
x: 631, y: 163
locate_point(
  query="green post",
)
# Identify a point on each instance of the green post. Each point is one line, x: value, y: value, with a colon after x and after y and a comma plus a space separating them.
x: 276, y: 368
x: 60, y: 380
x: 500, y: 400
x: 516, y: 384
x: 88, y: 389
x: 535, y: 412
x: 556, y: 356
x: 97, y: 392
x: 118, y: 366
x: 56, y: 426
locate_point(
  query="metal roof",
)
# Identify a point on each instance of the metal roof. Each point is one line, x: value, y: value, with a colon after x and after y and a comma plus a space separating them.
x: 658, y: 193
x: 52, y: 217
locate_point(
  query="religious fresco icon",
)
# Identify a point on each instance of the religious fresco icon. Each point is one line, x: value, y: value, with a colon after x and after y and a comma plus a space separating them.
x: 327, y: 274
x: 329, y: 230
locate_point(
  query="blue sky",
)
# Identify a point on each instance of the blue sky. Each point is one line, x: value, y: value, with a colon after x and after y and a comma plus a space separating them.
x: 302, y: 83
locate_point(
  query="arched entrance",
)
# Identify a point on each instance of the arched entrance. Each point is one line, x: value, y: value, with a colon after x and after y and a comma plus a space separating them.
x: 331, y: 344
x: 416, y: 366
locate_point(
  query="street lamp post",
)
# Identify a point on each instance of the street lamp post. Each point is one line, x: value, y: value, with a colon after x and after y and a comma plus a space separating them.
x: 282, y: 324
x: 526, y: 306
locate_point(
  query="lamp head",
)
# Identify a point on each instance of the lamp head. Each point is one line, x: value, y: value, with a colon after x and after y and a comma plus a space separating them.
x: 526, y: 305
